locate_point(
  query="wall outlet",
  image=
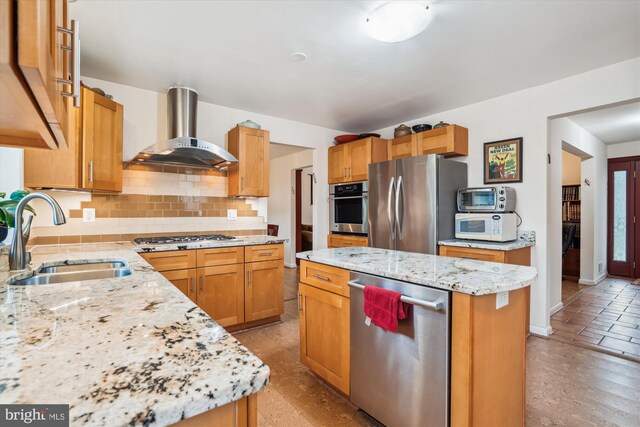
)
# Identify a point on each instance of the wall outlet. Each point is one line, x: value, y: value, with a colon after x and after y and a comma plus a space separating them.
x: 88, y: 215
x: 502, y: 299
x: 232, y: 214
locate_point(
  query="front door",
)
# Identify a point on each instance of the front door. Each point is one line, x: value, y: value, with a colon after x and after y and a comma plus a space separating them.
x: 623, y: 213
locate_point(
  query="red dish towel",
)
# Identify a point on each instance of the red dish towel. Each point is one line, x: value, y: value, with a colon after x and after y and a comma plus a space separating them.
x: 384, y: 307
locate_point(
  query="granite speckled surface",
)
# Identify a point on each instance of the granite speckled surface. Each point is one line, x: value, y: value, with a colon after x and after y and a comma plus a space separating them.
x: 126, y: 351
x: 455, y: 274
x: 525, y: 239
x: 239, y: 241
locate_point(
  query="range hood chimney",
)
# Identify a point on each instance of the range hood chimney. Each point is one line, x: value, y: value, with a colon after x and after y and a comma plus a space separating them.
x: 183, y: 147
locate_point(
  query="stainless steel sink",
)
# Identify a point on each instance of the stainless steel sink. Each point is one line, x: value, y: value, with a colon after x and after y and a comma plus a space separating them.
x: 63, y: 268
x: 63, y: 273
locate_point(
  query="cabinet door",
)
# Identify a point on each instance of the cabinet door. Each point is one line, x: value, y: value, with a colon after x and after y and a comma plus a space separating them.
x: 250, y: 177
x: 185, y: 280
x: 102, y: 142
x: 358, y: 159
x: 42, y: 60
x: 450, y: 140
x: 264, y: 290
x: 324, y: 335
x: 220, y: 293
x: 337, y: 164
x: 406, y: 146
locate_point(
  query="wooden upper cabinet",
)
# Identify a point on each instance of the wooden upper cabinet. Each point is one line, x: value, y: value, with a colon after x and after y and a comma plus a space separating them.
x: 93, y: 160
x: 250, y: 177
x: 34, y: 113
x: 406, y: 146
x: 452, y: 140
x: 350, y: 162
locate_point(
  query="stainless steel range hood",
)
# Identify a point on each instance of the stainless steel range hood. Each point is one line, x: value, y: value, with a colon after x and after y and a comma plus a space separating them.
x: 183, y: 147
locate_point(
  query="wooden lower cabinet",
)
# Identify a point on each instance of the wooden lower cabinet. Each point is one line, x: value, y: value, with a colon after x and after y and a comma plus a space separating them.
x: 220, y: 293
x: 520, y: 256
x: 324, y: 335
x: 241, y: 413
x: 237, y: 295
x: 345, y: 241
x: 264, y: 290
x: 185, y: 280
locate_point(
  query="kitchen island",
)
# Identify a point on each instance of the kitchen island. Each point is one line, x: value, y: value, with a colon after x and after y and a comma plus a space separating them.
x: 131, y: 350
x: 486, y: 308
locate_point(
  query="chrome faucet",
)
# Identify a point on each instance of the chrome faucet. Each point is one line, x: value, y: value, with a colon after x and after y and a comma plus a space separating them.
x: 17, y: 253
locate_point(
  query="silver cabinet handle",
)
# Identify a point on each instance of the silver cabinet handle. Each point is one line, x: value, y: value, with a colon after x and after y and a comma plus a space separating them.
x: 436, y: 305
x: 264, y: 254
x: 392, y: 222
x: 91, y: 171
x: 299, y: 302
x: 74, y: 82
x: 249, y: 284
x: 400, y: 218
x: 345, y: 172
x: 242, y: 183
x: 317, y: 276
x: 202, y: 283
x: 192, y: 285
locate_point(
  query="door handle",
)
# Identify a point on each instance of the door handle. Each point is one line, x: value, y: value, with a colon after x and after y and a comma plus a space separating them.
x: 392, y: 222
x: 74, y: 49
x: 400, y: 218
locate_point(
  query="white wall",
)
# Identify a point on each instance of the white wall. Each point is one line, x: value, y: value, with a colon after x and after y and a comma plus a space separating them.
x: 571, y: 165
x: 11, y: 177
x: 281, y: 201
x: 593, y: 221
x: 525, y: 113
x: 623, y: 149
x: 307, y: 207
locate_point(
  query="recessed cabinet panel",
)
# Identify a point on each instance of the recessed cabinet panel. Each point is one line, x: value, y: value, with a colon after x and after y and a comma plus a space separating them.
x: 220, y: 293
x: 264, y: 290
x: 250, y: 176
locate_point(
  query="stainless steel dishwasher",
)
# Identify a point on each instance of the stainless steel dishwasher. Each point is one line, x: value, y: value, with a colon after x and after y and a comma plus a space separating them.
x: 402, y: 379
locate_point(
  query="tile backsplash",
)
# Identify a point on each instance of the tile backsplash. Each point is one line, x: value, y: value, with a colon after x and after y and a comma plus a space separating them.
x: 153, y: 202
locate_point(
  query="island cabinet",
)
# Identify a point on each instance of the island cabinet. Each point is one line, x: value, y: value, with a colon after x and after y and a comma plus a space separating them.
x: 488, y: 350
x: 350, y: 162
x: 93, y: 159
x: 241, y: 413
x: 36, y: 54
x: 225, y: 282
x: 250, y: 176
x: 324, y: 323
x: 344, y: 241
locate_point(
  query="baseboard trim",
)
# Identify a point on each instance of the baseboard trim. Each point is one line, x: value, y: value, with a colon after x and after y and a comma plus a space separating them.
x: 556, y: 308
x: 288, y: 265
x: 593, y: 282
x: 541, y: 332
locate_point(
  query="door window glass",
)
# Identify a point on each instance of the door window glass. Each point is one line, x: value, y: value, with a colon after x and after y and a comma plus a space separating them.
x: 620, y: 216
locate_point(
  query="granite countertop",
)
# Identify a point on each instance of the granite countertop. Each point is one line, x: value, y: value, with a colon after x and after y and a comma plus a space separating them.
x: 478, y: 244
x: 126, y: 351
x: 455, y: 274
x: 239, y: 241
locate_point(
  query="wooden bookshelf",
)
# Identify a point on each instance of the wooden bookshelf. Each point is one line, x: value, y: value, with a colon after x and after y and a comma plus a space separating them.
x: 571, y: 213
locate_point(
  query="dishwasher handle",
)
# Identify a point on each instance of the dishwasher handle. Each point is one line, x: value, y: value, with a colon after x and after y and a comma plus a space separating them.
x: 436, y: 305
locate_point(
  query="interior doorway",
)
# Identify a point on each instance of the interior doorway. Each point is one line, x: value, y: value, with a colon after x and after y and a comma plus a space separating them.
x: 623, y: 228
x: 304, y: 180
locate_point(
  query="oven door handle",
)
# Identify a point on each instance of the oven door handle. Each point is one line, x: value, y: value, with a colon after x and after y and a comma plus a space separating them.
x: 436, y: 305
x: 364, y: 196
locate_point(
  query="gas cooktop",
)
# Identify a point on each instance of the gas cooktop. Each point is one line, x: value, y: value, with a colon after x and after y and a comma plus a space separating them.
x: 167, y: 240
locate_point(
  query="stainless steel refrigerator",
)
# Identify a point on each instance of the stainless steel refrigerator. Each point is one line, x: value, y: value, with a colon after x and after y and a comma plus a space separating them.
x: 412, y: 202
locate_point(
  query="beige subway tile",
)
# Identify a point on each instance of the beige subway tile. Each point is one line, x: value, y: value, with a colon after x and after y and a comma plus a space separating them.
x: 66, y: 240
x: 75, y: 213
x: 90, y: 238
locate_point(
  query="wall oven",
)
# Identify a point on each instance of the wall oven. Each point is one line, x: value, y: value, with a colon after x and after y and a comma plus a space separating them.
x: 348, y: 208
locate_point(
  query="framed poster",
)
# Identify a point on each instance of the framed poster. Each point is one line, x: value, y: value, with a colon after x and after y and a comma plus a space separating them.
x: 503, y: 161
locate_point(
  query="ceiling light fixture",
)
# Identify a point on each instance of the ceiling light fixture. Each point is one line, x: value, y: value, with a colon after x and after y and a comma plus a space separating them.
x: 297, y: 57
x: 398, y: 21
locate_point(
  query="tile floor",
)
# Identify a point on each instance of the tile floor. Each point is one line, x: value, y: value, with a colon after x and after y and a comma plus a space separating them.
x: 571, y: 289
x: 605, y: 317
x: 566, y: 385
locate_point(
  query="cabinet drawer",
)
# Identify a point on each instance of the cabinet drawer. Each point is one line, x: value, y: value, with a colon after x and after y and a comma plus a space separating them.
x: 472, y: 253
x: 263, y: 253
x: 170, y: 260
x: 325, y: 277
x: 339, y: 241
x: 220, y: 256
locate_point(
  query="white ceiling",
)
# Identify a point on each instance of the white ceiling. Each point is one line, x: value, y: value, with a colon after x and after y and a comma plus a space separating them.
x: 236, y: 53
x: 280, y: 150
x: 612, y: 125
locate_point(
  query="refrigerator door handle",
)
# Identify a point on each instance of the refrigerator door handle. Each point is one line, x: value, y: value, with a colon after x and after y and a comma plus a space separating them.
x: 399, y: 218
x: 392, y: 222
